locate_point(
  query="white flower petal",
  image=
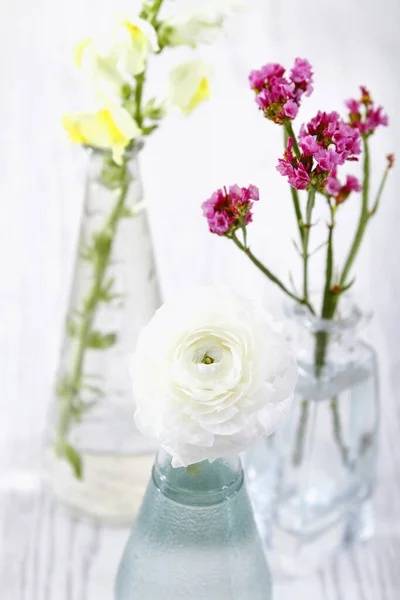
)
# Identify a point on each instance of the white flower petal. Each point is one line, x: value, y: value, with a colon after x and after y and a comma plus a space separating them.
x: 211, y: 375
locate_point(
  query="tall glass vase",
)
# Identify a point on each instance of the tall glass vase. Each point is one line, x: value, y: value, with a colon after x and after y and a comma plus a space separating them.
x: 321, y: 463
x: 98, y: 464
x: 194, y: 538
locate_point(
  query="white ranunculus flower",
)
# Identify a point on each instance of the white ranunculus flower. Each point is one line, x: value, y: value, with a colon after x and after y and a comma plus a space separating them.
x: 189, y: 85
x: 210, y: 375
x: 112, y: 59
x: 201, y: 26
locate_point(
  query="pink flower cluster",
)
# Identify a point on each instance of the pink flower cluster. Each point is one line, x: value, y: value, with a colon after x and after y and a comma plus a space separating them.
x: 364, y: 115
x: 324, y: 143
x: 227, y: 210
x: 277, y: 96
x: 340, y: 192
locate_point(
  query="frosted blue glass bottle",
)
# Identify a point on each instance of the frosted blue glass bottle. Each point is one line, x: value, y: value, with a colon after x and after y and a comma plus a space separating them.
x: 194, y: 538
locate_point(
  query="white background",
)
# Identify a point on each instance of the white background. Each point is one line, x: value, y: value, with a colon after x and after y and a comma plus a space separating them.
x: 348, y: 42
x: 225, y: 141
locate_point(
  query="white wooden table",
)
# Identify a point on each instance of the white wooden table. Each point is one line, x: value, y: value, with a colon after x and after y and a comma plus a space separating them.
x: 45, y: 554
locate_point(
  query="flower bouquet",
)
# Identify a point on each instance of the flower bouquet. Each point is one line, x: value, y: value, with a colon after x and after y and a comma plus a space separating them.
x: 97, y: 464
x: 322, y: 467
x: 211, y: 375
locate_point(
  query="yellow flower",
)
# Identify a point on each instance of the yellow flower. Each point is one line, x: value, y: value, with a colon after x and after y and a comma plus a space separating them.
x: 108, y: 61
x: 109, y: 128
x: 189, y: 85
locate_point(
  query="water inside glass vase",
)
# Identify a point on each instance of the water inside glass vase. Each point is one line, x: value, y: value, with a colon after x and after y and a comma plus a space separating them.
x: 195, y: 538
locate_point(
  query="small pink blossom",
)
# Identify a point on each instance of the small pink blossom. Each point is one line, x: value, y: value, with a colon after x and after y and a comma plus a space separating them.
x: 290, y: 109
x: 302, y: 74
x: 292, y: 168
x: 279, y: 97
x: 340, y: 192
x: 332, y: 185
x: 227, y: 210
x: 353, y: 105
x: 336, y: 140
x: 324, y: 143
x: 363, y: 115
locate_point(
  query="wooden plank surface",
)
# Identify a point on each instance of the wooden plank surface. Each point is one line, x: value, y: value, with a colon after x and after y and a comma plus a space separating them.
x: 48, y: 554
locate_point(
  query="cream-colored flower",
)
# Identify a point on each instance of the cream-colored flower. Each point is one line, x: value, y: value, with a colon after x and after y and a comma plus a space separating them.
x: 201, y: 26
x: 189, y: 85
x: 210, y: 375
x: 110, y: 128
x: 108, y: 61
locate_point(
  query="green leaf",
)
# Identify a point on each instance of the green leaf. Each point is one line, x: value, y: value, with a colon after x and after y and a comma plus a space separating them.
x: 65, y: 388
x: 94, y: 376
x: 113, y: 176
x: 153, y: 110
x: 72, y: 328
x: 86, y: 253
x: 346, y: 287
x: 127, y: 213
x: 74, y: 459
x: 149, y: 130
x: 104, y: 293
x: 80, y: 408
x: 100, y: 341
x: 102, y: 243
x: 93, y: 388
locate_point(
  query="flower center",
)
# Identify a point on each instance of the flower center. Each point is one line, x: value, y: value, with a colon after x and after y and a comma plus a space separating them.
x: 207, y: 360
x: 207, y: 354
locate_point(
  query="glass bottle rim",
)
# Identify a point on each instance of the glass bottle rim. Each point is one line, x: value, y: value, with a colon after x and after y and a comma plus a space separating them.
x: 349, y: 316
x: 130, y: 152
x: 178, y: 490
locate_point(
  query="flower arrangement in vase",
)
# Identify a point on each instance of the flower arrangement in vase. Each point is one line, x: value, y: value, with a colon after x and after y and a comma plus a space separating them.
x: 211, y: 375
x: 95, y: 461
x: 324, y: 457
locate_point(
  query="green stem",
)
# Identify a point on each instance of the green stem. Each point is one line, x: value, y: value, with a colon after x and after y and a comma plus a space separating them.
x: 306, y: 238
x: 290, y: 133
x: 108, y: 231
x: 380, y: 190
x: 328, y: 301
x: 266, y: 271
x: 364, y: 216
x: 298, y: 450
x: 156, y: 9
x: 141, y: 78
x: 295, y: 197
x: 338, y: 431
x: 140, y: 81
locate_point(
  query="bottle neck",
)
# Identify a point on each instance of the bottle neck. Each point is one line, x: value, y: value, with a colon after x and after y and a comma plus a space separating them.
x: 201, y: 484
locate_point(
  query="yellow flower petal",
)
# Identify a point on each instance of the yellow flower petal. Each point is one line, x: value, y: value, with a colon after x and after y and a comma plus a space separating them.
x: 134, y: 31
x: 189, y: 85
x: 109, y: 129
x: 203, y: 93
x: 72, y: 127
x: 79, y: 50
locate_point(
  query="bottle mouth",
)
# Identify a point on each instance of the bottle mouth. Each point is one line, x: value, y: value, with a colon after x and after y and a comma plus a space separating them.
x: 349, y: 316
x: 201, y: 484
x: 132, y: 150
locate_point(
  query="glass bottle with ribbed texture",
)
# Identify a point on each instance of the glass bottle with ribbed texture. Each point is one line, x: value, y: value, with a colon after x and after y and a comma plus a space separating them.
x: 312, y: 482
x: 194, y: 538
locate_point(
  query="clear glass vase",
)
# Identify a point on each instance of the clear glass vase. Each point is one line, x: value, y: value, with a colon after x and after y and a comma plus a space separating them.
x: 320, y: 465
x: 194, y: 538
x: 98, y: 463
